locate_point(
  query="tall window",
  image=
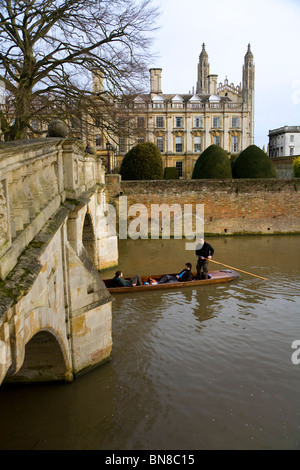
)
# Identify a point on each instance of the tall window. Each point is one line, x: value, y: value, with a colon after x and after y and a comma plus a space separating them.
x: 216, y: 121
x: 178, y: 122
x: 235, y: 144
x: 197, y: 144
x: 122, y: 145
x: 178, y: 144
x: 291, y: 150
x: 159, y: 121
x: 197, y: 121
x: 292, y: 138
x: 160, y: 143
x: 235, y: 121
x: 216, y: 140
x: 141, y: 122
x: 179, y: 169
x: 98, y: 140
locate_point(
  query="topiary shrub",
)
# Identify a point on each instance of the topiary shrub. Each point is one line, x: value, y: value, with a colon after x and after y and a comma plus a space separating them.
x: 142, y: 162
x: 296, y: 167
x: 233, y: 158
x: 171, y: 173
x: 253, y: 163
x: 213, y: 163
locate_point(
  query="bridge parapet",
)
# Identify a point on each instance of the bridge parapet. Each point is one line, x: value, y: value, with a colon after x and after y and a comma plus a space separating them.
x: 36, y: 177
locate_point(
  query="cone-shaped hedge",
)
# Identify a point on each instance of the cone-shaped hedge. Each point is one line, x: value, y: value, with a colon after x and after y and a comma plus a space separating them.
x: 253, y: 163
x: 213, y: 163
x: 142, y: 162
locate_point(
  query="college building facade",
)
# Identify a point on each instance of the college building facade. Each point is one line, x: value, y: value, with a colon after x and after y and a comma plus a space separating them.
x: 183, y: 125
x: 284, y: 142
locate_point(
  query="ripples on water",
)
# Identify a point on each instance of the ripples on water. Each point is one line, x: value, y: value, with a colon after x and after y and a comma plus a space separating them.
x: 219, y: 360
x: 197, y: 368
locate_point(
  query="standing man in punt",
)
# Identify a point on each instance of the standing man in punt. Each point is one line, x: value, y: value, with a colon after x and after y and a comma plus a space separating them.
x: 204, y: 252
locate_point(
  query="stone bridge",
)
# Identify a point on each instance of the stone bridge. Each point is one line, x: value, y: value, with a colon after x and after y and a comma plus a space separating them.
x: 55, y: 312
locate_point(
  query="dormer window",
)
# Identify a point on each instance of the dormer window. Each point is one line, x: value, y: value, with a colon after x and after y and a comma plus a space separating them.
x: 138, y: 102
x: 177, y: 102
x: 158, y: 102
x: 195, y: 102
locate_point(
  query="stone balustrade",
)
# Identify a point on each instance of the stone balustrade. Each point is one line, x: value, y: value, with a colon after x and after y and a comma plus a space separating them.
x: 36, y: 177
x: 190, y: 106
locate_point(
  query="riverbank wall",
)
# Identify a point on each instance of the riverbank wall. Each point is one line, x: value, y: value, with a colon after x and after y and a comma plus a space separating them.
x: 231, y: 207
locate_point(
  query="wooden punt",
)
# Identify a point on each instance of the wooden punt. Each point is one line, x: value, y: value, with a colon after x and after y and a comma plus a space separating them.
x: 217, y: 277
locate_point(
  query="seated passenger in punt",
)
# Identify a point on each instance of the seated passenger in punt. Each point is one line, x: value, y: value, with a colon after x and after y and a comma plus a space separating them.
x: 119, y: 281
x: 185, y: 275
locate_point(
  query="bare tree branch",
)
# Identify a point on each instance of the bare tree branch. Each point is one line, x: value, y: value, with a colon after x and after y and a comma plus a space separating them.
x: 51, y: 47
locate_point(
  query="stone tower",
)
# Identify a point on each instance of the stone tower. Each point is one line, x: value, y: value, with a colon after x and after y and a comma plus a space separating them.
x: 248, y: 88
x: 203, y: 72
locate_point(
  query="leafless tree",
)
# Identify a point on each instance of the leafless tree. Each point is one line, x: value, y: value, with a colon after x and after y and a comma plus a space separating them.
x: 50, y: 48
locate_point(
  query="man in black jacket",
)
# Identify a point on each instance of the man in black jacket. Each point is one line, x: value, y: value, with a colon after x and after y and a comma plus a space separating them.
x: 184, y: 275
x: 204, y: 251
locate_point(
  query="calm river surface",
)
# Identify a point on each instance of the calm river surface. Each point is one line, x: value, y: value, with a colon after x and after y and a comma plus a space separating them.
x: 197, y: 368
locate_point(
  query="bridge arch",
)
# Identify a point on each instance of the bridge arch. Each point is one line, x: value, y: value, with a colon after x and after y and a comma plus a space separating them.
x: 43, y: 352
x: 81, y: 229
x: 44, y: 360
x: 88, y: 237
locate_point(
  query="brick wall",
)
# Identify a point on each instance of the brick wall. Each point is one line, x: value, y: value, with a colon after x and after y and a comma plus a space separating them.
x: 230, y: 206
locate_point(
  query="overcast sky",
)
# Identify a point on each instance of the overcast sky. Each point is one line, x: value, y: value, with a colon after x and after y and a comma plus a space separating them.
x: 272, y: 27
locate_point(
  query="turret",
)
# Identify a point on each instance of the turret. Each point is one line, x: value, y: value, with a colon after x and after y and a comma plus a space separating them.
x: 203, y: 72
x: 248, y: 87
x: 248, y: 76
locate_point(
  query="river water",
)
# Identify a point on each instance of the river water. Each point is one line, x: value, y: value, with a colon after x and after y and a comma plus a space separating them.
x: 197, y: 368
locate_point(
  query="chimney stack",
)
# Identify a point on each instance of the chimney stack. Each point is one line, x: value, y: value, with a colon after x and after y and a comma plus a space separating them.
x: 97, y: 81
x: 212, y: 84
x: 155, y: 81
